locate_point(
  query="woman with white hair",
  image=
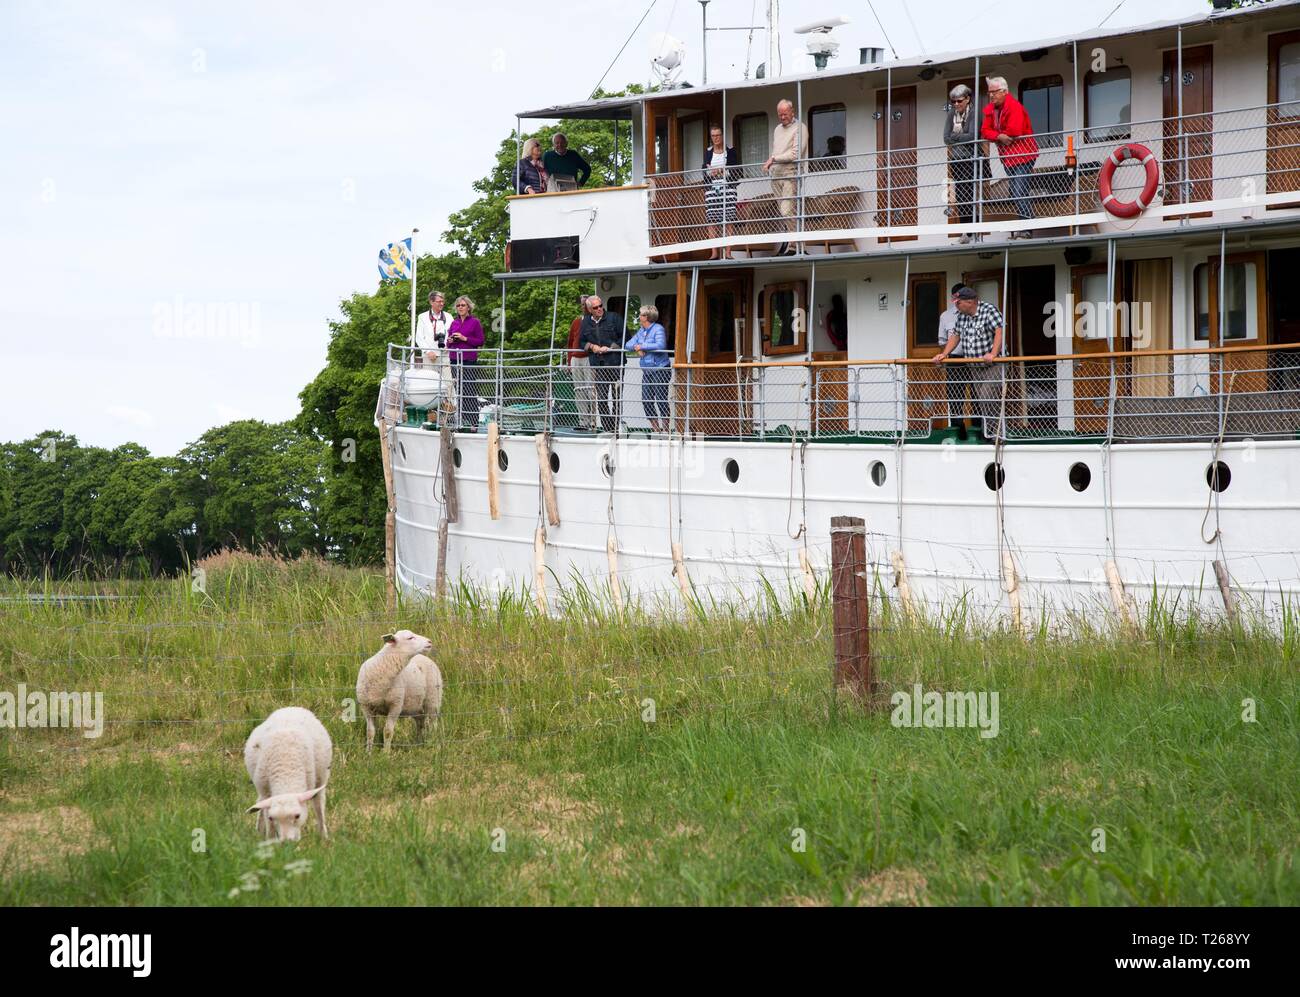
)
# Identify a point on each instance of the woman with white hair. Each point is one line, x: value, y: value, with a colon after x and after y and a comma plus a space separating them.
x: 651, y: 345
x: 959, y: 135
x: 530, y: 173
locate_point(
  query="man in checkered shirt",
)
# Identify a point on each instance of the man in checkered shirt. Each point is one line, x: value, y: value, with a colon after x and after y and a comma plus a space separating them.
x: 979, y: 331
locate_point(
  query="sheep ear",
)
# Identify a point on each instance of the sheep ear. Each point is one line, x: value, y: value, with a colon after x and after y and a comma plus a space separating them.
x: 259, y: 805
x: 389, y: 639
x: 304, y: 797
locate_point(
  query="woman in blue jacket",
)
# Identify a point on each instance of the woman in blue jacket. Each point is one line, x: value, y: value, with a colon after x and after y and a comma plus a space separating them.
x: 651, y: 344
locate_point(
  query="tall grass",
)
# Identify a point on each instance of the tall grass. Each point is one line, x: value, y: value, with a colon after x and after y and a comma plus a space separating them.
x: 649, y: 756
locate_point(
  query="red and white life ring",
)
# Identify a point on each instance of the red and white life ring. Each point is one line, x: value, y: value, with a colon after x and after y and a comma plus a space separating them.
x: 1129, y: 209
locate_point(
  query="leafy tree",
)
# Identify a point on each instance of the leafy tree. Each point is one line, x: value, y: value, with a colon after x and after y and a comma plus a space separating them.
x: 339, y: 404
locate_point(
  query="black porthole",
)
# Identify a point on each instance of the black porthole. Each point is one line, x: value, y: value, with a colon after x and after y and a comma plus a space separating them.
x: 555, y: 462
x: 994, y: 476
x: 607, y: 465
x: 1080, y: 476
x: 503, y: 459
x: 732, y: 470
x: 455, y: 456
x: 402, y: 447
x: 878, y: 473
x: 1218, y: 476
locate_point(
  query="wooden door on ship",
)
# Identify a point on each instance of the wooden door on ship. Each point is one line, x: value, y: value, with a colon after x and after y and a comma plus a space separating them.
x: 677, y: 132
x: 1094, y: 330
x: 1188, y: 154
x: 719, y: 401
x: 928, y: 383
x: 896, y: 168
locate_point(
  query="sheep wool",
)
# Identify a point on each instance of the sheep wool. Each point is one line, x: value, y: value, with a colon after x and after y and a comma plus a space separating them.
x: 400, y: 680
x: 288, y: 757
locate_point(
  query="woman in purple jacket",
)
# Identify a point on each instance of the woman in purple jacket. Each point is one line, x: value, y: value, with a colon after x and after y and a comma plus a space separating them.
x: 464, y: 337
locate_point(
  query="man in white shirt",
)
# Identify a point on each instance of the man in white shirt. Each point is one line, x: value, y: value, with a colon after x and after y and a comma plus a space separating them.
x: 431, y: 328
x: 958, y: 374
x: 789, y: 146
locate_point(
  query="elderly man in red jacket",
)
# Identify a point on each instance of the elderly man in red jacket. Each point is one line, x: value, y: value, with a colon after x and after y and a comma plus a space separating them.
x: 1007, y: 123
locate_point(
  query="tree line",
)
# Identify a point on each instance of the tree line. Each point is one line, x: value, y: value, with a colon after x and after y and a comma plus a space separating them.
x: 313, y: 484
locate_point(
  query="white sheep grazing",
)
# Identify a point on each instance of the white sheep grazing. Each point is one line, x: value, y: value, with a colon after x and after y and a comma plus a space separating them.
x: 399, y: 680
x: 288, y: 758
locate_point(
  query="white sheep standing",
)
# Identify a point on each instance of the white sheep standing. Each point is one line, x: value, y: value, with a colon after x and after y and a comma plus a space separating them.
x: 399, y: 680
x: 288, y: 758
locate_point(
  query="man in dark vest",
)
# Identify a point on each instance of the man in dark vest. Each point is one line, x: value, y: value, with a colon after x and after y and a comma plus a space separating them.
x: 601, y: 338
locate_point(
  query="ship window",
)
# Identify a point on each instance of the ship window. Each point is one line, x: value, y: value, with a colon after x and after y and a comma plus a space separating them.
x: 1080, y: 477
x: 503, y: 460
x: 785, y: 321
x: 751, y: 138
x: 1241, y: 295
x: 732, y: 470
x: 1287, y: 68
x: 994, y: 476
x: 662, y: 162
x: 1042, y: 97
x: 555, y: 462
x: 878, y: 473
x: 1218, y: 476
x: 1107, y: 105
x: 826, y: 137
x: 455, y: 456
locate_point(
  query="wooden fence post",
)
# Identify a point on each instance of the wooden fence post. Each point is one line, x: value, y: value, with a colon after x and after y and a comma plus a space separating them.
x: 548, y: 482
x: 1225, y: 589
x: 493, y: 457
x: 851, y: 610
x: 448, y: 465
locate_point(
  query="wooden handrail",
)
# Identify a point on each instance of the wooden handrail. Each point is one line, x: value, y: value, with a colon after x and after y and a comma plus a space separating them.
x: 580, y: 190
x: 904, y: 361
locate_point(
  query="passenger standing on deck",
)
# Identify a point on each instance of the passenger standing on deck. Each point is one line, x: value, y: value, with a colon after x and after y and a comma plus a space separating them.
x: 565, y: 169
x: 584, y: 392
x: 530, y: 173
x: 602, y: 338
x: 431, y: 329
x: 957, y: 375
x: 651, y: 344
x: 789, y: 146
x: 978, y: 330
x: 959, y: 136
x: 464, y: 337
x: 721, y: 168
x: 1007, y: 123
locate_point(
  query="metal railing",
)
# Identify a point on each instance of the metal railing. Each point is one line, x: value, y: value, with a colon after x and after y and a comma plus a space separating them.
x: 1241, y: 156
x: 1250, y: 392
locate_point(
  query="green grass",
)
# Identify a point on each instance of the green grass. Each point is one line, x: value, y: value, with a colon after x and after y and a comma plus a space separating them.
x: 544, y: 750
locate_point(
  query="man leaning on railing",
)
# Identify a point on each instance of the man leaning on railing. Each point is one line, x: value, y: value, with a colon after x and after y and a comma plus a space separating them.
x: 978, y: 331
x: 601, y: 338
x: 1007, y: 123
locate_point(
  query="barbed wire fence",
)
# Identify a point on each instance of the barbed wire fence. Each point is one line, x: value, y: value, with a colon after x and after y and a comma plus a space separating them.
x: 209, y: 675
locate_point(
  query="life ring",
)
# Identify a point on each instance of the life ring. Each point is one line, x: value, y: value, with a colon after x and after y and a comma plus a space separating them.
x: 1129, y: 209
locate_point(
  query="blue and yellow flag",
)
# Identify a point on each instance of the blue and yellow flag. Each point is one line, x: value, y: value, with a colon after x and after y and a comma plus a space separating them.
x: 395, y: 261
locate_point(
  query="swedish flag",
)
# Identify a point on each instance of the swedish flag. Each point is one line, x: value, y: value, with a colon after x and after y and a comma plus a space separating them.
x: 396, y: 261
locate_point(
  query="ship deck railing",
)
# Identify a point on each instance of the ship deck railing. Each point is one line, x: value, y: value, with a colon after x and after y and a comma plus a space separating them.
x: 1211, y: 393
x: 1215, y: 161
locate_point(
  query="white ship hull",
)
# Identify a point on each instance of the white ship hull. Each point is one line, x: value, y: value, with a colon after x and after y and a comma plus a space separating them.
x: 1148, y: 509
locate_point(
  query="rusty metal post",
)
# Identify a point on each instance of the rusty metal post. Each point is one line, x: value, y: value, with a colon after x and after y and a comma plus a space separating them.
x: 851, y: 610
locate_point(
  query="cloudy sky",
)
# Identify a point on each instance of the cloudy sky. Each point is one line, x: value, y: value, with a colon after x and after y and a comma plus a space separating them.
x: 188, y: 189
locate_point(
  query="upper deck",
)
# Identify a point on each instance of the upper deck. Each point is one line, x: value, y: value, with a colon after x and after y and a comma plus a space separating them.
x: 1216, y: 99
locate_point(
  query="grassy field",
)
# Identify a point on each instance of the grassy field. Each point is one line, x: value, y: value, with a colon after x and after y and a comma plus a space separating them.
x: 551, y: 780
